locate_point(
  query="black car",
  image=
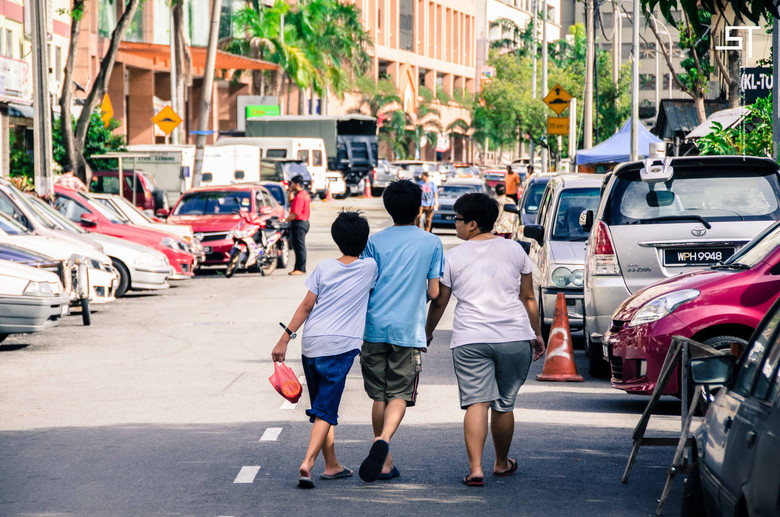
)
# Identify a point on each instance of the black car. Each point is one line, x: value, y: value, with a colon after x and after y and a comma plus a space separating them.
x: 283, y: 170
x: 444, y: 217
x: 737, y: 449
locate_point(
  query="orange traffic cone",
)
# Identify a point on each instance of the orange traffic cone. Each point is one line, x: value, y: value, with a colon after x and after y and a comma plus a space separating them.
x: 367, y: 193
x: 559, y: 358
x: 328, y: 196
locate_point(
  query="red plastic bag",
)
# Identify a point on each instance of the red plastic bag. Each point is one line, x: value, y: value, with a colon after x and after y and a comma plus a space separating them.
x: 286, y: 383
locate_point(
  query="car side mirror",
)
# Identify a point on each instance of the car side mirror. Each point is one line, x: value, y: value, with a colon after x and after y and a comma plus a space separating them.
x: 535, y: 232
x: 712, y: 370
x: 88, y: 220
x: 512, y: 208
x: 586, y: 220
x: 162, y: 212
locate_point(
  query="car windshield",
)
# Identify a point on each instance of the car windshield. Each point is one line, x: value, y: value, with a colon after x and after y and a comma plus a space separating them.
x: 493, y: 175
x: 11, y: 227
x: 213, y: 203
x: 292, y: 169
x: 46, y: 211
x: 131, y: 211
x: 534, y: 196
x: 414, y: 168
x: 107, y: 211
x: 464, y: 170
x: 278, y: 192
x: 754, y: 252
x: 122, y: 212
x: 570, y: 205
x: 715, y: 195
x: 456, y: 191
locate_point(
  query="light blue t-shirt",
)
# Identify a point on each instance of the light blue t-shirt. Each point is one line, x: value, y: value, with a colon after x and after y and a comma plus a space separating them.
x: 342, y: 298
x: 407, y: 258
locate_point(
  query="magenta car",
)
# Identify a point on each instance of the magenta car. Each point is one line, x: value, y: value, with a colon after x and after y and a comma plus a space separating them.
x: 718, y: 306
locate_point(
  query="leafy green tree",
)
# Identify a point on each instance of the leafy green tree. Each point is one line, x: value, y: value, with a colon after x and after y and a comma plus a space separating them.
x: 753, y: 138
x: 99, y: 140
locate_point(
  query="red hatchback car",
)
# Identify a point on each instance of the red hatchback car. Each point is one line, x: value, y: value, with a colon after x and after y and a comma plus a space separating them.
x: 719, y: 306
x: 212, y: 212
x: 94, y: 217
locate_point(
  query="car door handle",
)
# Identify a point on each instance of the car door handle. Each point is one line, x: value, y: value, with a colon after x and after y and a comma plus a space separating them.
x: 751, y: 438
x: 727, y: 424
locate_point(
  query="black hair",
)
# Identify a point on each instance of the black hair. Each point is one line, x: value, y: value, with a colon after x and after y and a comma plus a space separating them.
x: 350, y: 232
x: 500, y: 189
x: 402, y: 201
x: 297, y: 179
x: 477, y: 207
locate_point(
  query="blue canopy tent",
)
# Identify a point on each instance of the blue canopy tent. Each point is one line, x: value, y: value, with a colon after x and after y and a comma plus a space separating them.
x: 616, y: 148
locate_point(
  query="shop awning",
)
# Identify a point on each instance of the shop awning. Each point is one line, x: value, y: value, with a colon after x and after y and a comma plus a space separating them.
x: 158, y: 57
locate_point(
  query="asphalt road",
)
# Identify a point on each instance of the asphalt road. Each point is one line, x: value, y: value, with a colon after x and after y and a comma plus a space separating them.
x: 163, y: 407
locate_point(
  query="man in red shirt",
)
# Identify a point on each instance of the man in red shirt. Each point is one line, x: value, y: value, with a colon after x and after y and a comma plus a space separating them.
x: 300, y: 210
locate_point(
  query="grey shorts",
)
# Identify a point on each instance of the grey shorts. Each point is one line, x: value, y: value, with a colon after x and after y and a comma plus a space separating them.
x: 491, y: 372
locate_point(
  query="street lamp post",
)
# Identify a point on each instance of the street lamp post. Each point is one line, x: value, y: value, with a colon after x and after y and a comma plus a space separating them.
x: 635, y: 86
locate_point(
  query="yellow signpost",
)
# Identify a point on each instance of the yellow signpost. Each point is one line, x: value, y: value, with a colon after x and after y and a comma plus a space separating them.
x: 558, y: 99
x: 167, y: 120
x: 558, y: 125
x: 106, y: 111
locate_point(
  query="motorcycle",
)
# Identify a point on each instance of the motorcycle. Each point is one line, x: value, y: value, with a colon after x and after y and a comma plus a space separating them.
x: 258, y: 246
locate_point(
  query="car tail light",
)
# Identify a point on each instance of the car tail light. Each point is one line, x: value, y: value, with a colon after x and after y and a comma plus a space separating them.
x: 603, y: 260
x: 286, y: 184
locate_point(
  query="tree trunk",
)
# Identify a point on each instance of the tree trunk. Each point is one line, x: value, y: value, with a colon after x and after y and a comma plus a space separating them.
x: 99, y: 87
x: 699, y: 102
x: 301, y: 101
x: 73, y: 156
x: 183, y: 54
x: 733, y: 83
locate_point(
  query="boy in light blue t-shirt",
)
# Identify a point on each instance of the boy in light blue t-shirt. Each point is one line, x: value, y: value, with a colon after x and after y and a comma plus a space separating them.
x: 410, y: 263
x: 334, y: 310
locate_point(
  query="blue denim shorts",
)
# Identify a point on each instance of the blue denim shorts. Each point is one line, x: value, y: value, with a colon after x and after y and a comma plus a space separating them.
x: 325, y: 380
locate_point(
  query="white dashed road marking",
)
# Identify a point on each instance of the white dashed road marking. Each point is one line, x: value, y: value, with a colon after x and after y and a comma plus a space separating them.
x: 246, y: 475
x: 288, y: 405
x: 271, y: 434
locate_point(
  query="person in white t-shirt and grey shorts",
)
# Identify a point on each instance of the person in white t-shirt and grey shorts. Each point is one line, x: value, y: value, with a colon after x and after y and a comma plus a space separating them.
x: 495, y: 333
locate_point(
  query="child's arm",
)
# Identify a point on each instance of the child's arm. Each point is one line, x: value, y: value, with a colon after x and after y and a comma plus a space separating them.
x: 304, y: 309
x: 436, y: 310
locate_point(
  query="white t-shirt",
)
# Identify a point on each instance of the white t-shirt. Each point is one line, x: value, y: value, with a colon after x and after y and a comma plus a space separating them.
x: 484, y: 276
x: 340, y: 312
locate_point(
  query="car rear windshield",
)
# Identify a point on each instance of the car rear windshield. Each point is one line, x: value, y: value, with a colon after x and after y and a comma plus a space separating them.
x: 212, y: 203
x: 457, y: 190
x: 754, y: 252
x: 534, y: 197
x: 292, y: 169
x: 567, y: 218
x: 712, y: 194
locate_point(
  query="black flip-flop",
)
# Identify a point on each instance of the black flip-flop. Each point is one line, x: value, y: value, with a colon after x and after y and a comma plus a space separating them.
x: 390, y: 475
x: 305, y: 482
x: 372, y: 465
x: 343, y: 474
x: 508, y: 472
x: 475, y: 481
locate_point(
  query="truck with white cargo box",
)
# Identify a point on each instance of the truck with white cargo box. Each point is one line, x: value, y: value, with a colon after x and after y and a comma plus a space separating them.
x: 351, y: 143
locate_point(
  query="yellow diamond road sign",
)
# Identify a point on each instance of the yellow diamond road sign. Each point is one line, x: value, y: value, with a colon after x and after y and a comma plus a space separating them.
x: 558, y: 99
x: 558, y: 125
x: 106, y: 111
x: 167, y: 120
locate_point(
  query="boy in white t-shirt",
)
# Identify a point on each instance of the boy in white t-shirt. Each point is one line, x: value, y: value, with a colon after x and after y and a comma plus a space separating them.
x: 334, y: 310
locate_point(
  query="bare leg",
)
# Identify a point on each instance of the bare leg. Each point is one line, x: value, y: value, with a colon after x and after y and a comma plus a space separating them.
x: 320, y: 431
x: 385, y: 418
x: 502, y: 427
x: 475, y: 432
x: 332, y: 465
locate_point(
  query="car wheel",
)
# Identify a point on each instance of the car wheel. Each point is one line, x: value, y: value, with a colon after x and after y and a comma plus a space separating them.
x: 345, y: 195
x: 545, y: 328
x: 160, y: 200
x: 283, y: 259
x: 86, y: 315
x: 2, y: 337
x: 124, y: 278
x: 597, y: 367
x: 725, y: 342
x: 692, y: 504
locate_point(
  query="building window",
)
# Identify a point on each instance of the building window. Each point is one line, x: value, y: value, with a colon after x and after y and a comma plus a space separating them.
x: 407, y: 25
x: 135, y: 31
x: 58, y: 63
x: 9, y: 43
x: 108, y: 12
x: 647, y: 81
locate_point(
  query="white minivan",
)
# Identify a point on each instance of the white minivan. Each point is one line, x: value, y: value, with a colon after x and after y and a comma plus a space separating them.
x: 310, y: 150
